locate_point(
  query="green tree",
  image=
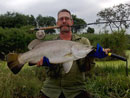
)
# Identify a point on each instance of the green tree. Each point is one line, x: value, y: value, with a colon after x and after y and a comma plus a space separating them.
x: 12, y: 20
x: 79, y: 24
x: 32, y: 20
x: 120, y: 12
x: 90, y: 30
x: 45, y: 22
x: 14, y: 40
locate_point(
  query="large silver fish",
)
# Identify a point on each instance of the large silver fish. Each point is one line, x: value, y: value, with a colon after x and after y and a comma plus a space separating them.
x: 57, y: 51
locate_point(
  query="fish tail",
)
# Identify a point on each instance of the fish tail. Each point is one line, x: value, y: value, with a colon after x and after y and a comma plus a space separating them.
x: 13, y: 63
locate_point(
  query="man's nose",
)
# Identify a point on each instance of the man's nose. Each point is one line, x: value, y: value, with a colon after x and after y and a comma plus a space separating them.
x: 64, y: 20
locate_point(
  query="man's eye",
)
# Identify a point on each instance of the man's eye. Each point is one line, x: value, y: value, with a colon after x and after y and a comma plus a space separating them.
x: 66, y: 18
x: 61, y: 18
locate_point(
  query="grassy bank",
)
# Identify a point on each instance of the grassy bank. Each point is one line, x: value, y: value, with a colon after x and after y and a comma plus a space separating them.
x: 108, y: 80
x: 23, y: 85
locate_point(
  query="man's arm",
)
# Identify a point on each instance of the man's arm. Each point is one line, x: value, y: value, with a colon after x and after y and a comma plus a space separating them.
x: 88, y: 62
x: 99, y: 52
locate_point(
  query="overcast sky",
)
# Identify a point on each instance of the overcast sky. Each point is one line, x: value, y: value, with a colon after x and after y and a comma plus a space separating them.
x: 85, y: 9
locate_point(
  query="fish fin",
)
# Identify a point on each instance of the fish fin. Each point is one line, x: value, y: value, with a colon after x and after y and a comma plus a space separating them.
x: 68, y: 55
x: 34, y: 43
x: 67, y: 66
x: 13, y: 63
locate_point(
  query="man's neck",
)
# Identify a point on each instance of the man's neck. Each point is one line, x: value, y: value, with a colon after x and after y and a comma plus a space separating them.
x: 66, y: 36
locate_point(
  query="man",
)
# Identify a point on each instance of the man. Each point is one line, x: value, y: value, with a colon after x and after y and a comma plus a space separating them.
x: 70, y: 85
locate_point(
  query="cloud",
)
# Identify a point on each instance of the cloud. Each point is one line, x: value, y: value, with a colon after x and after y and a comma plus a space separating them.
x: 85, y: 9
x: 82, y: 8
x: 107, y: 3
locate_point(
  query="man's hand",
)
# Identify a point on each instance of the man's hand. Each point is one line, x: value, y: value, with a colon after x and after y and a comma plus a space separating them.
x: 107, y: 50
x: 100, y: 52
x: 44, y: 62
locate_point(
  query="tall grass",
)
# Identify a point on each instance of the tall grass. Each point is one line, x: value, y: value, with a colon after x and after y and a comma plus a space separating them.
x: 107, y: 80
x: 23, y: 85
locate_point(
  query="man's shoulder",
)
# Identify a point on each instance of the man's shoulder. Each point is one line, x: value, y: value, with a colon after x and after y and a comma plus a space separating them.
x: 83, y: 40
x: 77, y: 38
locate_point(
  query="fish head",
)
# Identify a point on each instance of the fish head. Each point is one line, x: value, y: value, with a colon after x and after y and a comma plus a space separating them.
x: 81, y: 51
x: 40, y: 34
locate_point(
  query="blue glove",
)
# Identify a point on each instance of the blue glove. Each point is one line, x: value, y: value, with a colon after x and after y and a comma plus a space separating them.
x: 46, y: 62
x: 99, y: 52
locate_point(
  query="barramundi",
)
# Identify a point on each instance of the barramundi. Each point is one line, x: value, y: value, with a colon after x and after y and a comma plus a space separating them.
x: 57, y: 51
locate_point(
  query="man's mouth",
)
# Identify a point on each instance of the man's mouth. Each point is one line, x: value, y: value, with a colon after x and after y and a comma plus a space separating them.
x: 64, y: 26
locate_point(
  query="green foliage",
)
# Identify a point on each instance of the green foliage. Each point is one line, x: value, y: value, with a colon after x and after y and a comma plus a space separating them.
x: 116, y: 41
x: 116, y: 13
x: 128, y: 42
x: 50, y: 37
x: 22, y: 85
x: 40, y: 73
x: 90, y: 30
x: 15, y: 39
x: 16, y: 20
x: 77, y: 23
x: 46, y: 21
x: 109, y: 80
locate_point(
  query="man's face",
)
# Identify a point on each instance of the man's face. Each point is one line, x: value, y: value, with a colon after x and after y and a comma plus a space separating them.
x: 64, y: 21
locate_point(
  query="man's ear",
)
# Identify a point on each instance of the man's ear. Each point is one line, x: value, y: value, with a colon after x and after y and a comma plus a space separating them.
x: 57, y: 23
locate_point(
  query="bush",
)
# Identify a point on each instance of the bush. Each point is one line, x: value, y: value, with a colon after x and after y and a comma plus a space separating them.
x: 14, y: 40
x: 17, y: 40
x: 128, y: 41
x: 116, y: 41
